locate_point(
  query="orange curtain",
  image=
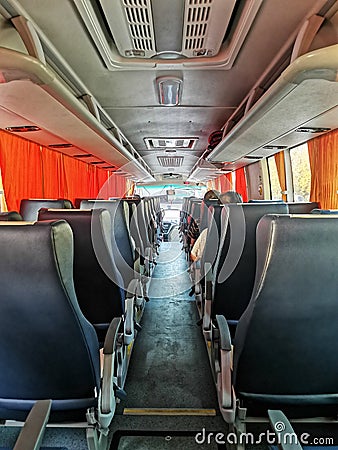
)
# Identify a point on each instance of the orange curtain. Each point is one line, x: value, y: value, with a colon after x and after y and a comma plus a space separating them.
x: 280, y: 164
x: 21, y: 168
x: 323, y: 155
x: 224, y: 183
x: 241, y: 186
x: 32, y: 171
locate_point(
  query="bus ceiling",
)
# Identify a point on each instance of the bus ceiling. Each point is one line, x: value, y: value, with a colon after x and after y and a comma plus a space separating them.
x: 145, y: 100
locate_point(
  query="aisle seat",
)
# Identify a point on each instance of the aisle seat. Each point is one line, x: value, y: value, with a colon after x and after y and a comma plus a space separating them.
x: 284, y: 351
x: 229, y: 283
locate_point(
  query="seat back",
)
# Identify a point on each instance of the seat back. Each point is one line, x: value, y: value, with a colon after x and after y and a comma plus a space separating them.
x: 122, y: 247
x: 67, y: 203
x: 47, y: 347
x: 265, y: 201
x: 10, y: 216
x: 29, y: 207
x: 324, y: 211
x: 98, y: 284
x: 204, y: 212
x: 133, y: 217
x: 236, y: 262
x: 302, y: 207
x: 213, y: 237
x: 285, y: 342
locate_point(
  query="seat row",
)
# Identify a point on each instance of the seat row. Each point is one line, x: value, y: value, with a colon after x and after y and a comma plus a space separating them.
x: 71, y: 283
x: 268, y: 302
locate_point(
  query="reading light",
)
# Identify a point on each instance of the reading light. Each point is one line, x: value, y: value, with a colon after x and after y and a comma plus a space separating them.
x: 169, y: 90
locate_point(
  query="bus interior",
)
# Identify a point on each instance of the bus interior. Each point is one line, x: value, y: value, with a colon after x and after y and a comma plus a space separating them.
x: 139, y: 309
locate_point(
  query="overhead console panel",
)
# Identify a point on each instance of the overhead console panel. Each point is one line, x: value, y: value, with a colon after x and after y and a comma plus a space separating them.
x: 197, y: 28
x: 187, y: 33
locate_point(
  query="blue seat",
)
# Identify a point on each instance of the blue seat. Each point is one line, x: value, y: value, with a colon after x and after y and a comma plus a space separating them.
x: 29, y: 207
x: 48, y: 349
x: 10, y: 216
x: 126, y: 256
x: 229, y: 283
x: 324, y: 211
x: 302, y: 207
x: 284, y: 351
x: 98, y: 283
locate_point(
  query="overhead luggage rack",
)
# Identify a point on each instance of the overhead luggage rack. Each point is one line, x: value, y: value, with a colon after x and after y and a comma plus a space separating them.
x: 300, y: 105
x: 55, y: 115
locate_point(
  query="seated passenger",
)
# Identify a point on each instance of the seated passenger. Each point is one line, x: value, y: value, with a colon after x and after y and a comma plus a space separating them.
x: 193, y: 230
x: 198, y: 248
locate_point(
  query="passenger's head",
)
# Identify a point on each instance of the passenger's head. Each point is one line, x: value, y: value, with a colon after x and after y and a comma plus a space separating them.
x: 211, y: 195
x: 231, y: 197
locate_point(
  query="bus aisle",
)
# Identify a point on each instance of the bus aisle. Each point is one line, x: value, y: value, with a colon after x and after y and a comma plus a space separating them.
x: 171, y: 396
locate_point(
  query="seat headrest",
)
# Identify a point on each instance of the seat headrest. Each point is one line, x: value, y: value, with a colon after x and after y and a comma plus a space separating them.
x: 10, y: 216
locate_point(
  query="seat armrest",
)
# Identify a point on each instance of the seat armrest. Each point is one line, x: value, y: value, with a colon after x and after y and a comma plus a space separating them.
x: 225, y: 391
x: 129, y: 329
x: 111, y: 336
x: 107, y: 401
x: 287, y: 438
x: 208, y: 300
x: 31, y: 434
x: 224, y: 333
x: 137, y: 260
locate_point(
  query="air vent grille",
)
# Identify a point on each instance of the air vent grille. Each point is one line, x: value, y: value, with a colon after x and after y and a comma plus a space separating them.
x: 171, y: 143
x: 205, y: 25
x: 171, y: 176
x: 23, y: 129
x: 139, y: 18
x: 196, y: 25
x: 170, y: 161
x: 312, y: 130
x: 63, y: 145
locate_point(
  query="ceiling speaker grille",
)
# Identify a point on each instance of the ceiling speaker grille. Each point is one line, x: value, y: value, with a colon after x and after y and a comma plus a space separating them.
x: 170, y: 161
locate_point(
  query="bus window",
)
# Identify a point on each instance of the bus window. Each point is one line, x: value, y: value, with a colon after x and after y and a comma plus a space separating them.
x: 2, y: 197
x: 301, y: 173
x: 275, y: 188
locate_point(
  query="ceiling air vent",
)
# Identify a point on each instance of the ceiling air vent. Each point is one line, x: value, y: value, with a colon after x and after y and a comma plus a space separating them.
x: 170, y: 161
x: 56, y: 146
x: 171, y: 176
x: 205, y: 25
x: 140, y: 27
x: 165, y: 143
x: 23, y: 129
x: 83, y: 155
x: 312, y: 130
x: 274, y: 147
x: 131, y: 24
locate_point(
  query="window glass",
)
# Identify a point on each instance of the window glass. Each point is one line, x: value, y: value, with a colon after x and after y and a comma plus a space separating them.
x: 2, y: 197
x: 301, y: 173
x: 276, y: 191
